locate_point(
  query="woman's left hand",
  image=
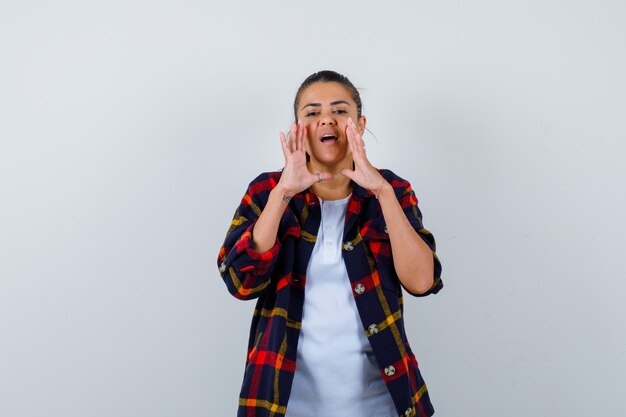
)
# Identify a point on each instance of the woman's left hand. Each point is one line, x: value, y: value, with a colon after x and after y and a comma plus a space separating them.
x: 364, y: 173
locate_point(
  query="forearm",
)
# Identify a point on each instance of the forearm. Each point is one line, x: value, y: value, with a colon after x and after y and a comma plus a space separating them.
x: 412, y: 257
x: 266, y: 227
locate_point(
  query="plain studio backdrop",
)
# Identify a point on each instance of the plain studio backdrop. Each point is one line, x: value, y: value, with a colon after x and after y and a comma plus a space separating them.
x: 129, y: 131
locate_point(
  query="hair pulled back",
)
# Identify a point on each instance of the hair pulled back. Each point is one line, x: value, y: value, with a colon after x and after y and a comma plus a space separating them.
x: 328, y: 76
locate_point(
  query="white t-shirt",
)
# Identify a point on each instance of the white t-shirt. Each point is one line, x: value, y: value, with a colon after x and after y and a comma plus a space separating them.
x: 336, y: 372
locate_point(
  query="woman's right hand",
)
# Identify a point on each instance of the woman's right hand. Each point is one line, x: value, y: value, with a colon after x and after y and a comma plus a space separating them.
x: 296, y: 176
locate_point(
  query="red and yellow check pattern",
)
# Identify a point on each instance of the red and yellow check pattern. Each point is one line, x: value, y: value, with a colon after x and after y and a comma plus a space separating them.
x: 276, y: 279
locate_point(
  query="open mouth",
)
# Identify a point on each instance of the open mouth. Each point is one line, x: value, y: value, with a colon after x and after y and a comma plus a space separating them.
x: 328, y: 137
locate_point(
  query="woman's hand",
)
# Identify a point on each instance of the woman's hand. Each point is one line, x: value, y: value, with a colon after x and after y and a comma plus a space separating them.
x: 412, y: 257
x: 296, y: 176
x: 364, y: 173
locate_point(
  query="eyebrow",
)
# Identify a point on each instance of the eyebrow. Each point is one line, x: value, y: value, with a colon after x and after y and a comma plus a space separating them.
x: 333, y: 103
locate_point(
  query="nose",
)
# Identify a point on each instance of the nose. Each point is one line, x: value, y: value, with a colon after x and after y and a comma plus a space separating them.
x: 327, y: 119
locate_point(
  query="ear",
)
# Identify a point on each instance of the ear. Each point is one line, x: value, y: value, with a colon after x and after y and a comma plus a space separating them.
x: 360, y: 125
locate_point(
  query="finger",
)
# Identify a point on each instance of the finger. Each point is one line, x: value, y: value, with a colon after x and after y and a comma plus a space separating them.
x: 298, y: 136
x: 357, y: 137
x: 302, y: 136
x: 352, y: 139
x: 349, y: 136
x: 292, y: 136
x: 326, y: 176
x: 320, y: 177
x: 283, y: 145
x: 359, y: 144
x: 305, y: 137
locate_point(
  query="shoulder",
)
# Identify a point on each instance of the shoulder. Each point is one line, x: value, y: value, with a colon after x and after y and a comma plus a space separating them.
x: 264, y: 182
x: 399, y: 184
x: 389, y: 175
x: 266, y: 176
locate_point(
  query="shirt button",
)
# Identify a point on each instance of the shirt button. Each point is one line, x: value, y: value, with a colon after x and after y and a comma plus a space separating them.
x: 408, y: 412
x: 390, y: 370
x: 386, y: 231
x: 373, y: 329
x: 359, y: 288
x: 348, y: 246
x: 222, y: 267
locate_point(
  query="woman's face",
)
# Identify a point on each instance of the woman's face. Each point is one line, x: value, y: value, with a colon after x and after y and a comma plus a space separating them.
x: 324, y: 108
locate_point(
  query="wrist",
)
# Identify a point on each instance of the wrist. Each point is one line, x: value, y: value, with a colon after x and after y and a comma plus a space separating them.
x: 282, y: 194
x: 383, y: 188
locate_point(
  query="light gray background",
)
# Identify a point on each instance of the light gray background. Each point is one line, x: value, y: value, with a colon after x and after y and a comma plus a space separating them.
x: 130, y: 129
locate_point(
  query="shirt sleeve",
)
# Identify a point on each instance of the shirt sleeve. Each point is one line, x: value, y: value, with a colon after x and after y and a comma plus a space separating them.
x: 408, y: 202
x: 245, y: 271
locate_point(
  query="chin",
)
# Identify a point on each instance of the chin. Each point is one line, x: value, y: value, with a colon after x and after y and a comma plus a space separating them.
x: 330, y: 160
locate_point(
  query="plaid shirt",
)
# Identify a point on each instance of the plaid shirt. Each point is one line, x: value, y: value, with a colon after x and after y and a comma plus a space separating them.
x: 277, y: 279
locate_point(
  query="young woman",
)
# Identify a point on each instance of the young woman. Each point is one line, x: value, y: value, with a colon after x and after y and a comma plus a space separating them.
x: 325, y: 245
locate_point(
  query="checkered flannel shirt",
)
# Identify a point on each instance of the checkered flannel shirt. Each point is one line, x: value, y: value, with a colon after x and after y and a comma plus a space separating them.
x: 277, y: 277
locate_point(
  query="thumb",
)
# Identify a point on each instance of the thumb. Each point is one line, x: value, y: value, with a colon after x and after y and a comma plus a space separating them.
x: 323, y: 176
x: 348, y: 173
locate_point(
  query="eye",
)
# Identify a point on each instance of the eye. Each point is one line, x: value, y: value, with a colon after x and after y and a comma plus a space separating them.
x: 340, y: 111
x: 311, y: 114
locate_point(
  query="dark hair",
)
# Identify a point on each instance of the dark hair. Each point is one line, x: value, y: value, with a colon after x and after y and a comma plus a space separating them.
x: 328, y: 76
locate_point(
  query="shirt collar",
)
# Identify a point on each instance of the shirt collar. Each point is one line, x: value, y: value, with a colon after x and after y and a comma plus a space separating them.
x: 357, y: 192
